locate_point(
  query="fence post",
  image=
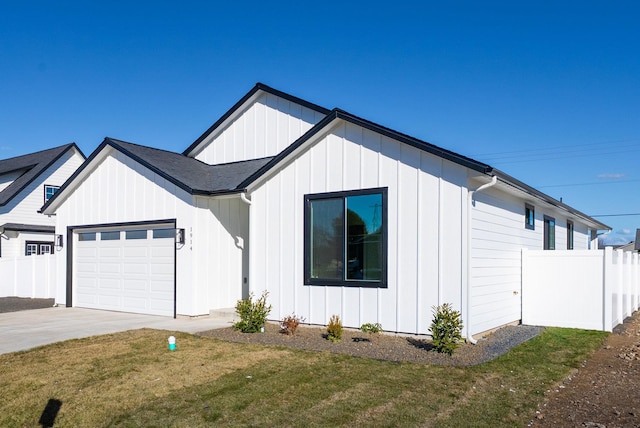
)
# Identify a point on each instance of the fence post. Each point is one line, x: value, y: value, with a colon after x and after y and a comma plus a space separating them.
x: 607, y: 295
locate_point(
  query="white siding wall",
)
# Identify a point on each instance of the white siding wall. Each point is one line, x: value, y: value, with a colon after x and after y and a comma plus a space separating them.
x: 498, y: 235
x: 266, y: 128
x: 23, y: 208
x: 424, y: 231
x: 221, y: 248
x: 119, y: 191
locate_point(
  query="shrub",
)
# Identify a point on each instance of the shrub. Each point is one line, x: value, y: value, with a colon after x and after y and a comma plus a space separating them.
x: 290, y: 324
x: 253, y: 315
x: 446, y: 328
x: 371, y: 328
x: 334, y: 329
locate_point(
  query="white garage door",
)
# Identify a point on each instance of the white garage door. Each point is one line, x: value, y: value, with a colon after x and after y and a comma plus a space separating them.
x: 128, y: 270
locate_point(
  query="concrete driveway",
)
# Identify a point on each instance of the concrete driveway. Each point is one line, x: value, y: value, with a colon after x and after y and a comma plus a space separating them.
x: 28, y: 329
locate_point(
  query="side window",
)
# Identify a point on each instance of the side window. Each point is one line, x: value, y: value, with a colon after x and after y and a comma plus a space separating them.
x: 345, y: 238
x: 569, y: 235
x: 49, y: 191
x: 549, y: 233
x: 529, y: 217
x: 33, y: 248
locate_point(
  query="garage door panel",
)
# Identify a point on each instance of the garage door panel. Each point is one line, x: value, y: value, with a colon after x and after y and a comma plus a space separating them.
x: 135, y: 268
x: 136, y: 252
x: 133, y: 274
x: 132, y: 286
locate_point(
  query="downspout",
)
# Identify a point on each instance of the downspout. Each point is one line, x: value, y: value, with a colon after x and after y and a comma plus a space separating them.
x: 493, y: 181
x: 244, y: 198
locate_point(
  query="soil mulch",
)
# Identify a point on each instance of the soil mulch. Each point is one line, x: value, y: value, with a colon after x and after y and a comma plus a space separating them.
x: 605, y: 391
x: 388, y: 347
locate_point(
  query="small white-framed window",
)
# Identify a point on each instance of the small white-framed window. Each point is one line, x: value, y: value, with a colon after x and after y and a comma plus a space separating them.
x: 31, y: 250
x: 49, y: 191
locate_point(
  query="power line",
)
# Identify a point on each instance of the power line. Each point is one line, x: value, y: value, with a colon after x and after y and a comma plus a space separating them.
x: 615, y: 215
x: 558, y: 152
x: 589, y: 184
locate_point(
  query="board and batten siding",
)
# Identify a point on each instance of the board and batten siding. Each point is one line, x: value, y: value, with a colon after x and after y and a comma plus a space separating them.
x: 221, y: 251
x: 426, y: 205
x: 498, y: 235
x: 121, y: 190
x: 23, y: 208
x: 267, y: 127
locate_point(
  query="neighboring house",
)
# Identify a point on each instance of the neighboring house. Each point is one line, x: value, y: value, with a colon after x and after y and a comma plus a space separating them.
x: 26, y: 183
x: 631, y: 246
x: 328, y: 212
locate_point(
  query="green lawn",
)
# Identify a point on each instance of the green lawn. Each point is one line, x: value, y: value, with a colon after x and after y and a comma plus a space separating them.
x: 131, y: 379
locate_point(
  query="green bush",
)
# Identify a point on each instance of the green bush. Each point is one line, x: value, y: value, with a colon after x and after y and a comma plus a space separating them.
x: 371, y: 328
x: 446, y: 328
x: 334, y: 329
x: 253, y: 315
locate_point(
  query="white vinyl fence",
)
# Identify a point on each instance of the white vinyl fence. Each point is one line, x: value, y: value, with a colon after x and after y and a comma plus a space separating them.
x: 28, y: 276
x: 590, y: 289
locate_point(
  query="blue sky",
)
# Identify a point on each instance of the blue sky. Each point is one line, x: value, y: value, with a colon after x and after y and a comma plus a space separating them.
x: 548, y: 91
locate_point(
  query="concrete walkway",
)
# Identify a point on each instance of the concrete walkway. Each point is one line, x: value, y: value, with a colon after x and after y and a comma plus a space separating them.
x: 24, y: 330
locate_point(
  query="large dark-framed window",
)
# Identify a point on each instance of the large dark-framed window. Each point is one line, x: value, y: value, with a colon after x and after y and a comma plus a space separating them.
x: 569, y: 235
x: 529, y: 217
x: 345, y: 238
x: 549, y: 233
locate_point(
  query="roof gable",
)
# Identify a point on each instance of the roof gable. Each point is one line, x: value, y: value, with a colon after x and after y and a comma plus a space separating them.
x: 29, y: 167
x: 191, y: 175
x: 258, y: 91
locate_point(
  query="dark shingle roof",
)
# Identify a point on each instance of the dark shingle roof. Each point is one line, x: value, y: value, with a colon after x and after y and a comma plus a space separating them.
x: 190, y: 174
x: 19, y: 227
x: 30, y: 166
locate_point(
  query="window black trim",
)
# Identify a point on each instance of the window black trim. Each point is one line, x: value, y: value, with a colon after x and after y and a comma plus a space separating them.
x: 39, y: 245
x: 570, y: 230
x: 546, y: 233
x: 383, y: 191
x: 527, y: 225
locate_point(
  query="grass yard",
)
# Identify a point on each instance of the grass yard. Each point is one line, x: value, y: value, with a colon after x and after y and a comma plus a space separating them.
x: 131, y: 379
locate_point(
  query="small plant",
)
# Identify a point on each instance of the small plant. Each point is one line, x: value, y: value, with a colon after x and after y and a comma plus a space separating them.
x: 371, y: 328
x: 334, y: 329
x: 253, y: 315
x: 290, y: 324
x: 446, y: 328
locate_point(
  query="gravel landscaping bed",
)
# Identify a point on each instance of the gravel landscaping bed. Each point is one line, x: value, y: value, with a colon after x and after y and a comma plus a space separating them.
x: 389, y: 347
x: 13, y: 304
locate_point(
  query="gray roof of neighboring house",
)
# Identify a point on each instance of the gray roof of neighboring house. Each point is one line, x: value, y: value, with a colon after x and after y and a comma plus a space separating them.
x: 31, y: 165
x: 18, y: 227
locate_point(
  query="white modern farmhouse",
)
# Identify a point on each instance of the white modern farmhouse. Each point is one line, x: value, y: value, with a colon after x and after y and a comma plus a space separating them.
x: 328, y: 212
x: 27, y: 182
